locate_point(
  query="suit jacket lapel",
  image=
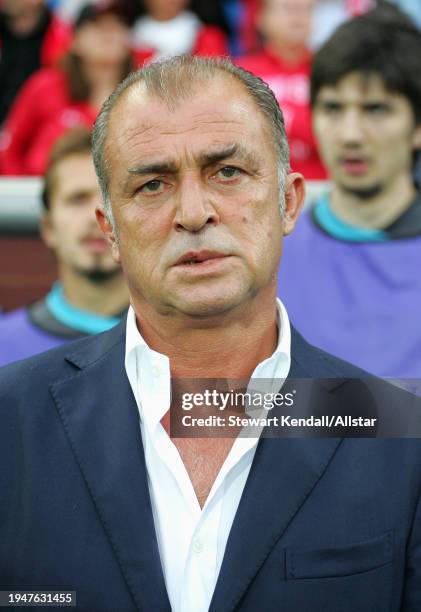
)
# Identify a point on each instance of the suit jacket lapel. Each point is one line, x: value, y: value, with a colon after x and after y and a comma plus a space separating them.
x: 99, y: 413
x: 283, y: 469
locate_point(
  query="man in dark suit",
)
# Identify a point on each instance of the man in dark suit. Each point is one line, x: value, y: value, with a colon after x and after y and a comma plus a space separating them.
x: 96, y: 497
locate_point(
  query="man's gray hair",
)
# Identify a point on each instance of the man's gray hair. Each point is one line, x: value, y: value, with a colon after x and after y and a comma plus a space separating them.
x: 175, y: 79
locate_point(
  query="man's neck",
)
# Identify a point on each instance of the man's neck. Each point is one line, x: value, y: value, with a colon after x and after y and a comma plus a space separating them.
x: 227, y: 346
x: 377, y: 212
x: 164, y: 15
x: 106, y: 298
x: 291, y: 55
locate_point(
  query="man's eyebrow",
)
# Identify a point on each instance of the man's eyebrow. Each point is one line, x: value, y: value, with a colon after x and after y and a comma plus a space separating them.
x: 209, y: 158
x: 159, y: 167
x: 79, y: 193
x: 326, y: 96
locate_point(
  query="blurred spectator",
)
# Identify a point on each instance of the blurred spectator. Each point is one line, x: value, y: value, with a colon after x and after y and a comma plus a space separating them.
x: 173, y: 27
x: 68, y: 10
x: 30, y: 37
x: 328, y: 15
x: 91, y: 293
x: 248, y: 33
x: 56, y: 99
x: 285, y: 64
x: 234, y: 13
x: 351, y: 272
x: 241, y: 16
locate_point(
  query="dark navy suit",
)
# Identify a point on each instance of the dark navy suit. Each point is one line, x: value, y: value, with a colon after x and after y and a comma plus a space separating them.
x: 324, y: 525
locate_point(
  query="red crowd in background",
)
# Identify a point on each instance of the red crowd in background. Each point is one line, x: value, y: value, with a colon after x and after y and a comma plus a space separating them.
x: 284, y: 63
x: 69, y: 94
x: 54, y: 76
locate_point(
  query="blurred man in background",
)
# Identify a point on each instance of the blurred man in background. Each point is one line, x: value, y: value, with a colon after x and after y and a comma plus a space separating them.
x: 30, y: 37
x: 168, y: 28
x: 285, y: 64
x: 90, y: 295
x: 352, y: 282
x: 69, y: 94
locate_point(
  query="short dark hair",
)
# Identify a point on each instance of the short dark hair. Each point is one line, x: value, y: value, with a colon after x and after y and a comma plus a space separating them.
x: 76, y: 141
x: 384, y: 42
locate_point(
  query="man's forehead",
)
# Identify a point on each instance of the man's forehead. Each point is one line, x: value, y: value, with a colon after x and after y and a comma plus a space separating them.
x: 80, y: 158
x: 197, y: 101
x: 66, y: 178
x: 142, y: 117
x: 357, y: 83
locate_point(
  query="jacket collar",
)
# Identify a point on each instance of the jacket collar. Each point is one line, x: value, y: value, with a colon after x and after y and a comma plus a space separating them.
x: 101, y: 419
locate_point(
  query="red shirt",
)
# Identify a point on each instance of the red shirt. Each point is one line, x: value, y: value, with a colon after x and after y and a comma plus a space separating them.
x: 210, y: 41
x: 291, y: 84
x: 247, y: 27
x: 42, y: 111
x: 57, y: 41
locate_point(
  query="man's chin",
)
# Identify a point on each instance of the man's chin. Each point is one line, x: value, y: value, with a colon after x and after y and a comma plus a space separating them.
x: 206, y: 308
x: 363, y: 192
x: 99, y: 275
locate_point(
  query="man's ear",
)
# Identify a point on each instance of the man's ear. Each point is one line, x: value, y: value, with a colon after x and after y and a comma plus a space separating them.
x: 294, y: 199
x: 108, y: 231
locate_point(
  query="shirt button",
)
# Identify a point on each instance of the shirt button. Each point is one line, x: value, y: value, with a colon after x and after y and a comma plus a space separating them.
x: 197, y: 546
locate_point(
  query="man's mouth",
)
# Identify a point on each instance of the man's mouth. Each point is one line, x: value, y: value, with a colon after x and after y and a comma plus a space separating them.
x: 96, y: 244
x: 356, y: 166
x: 202, y: 262
x: 199, y: 257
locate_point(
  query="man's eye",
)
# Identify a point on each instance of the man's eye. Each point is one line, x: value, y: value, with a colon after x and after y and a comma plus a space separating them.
x: 377, y: 108
x: 152, y: 186
x: 331, y: 108
x: 228, y: 172
x: 78, y: 201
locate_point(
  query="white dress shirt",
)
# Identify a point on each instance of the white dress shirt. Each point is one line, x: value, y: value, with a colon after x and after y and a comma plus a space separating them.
x: 191, y: 539
x: 167, y: 38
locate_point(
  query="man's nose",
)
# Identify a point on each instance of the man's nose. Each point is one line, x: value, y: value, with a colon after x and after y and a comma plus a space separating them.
x: 194, y: 207
x: 352, y: 128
